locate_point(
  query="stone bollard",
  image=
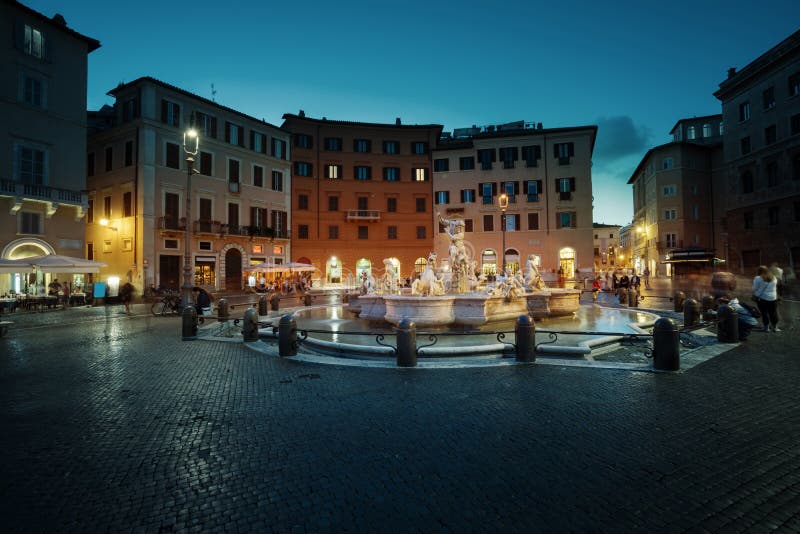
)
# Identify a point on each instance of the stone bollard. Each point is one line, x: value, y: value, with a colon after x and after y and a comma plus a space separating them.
x: 189, y: 321
x: 678, y: 299
x: 250, y: 325
x: 691, y: 313
x: 622, y: 295
x: 287, y: 336
x: 262, y: 305
x: 666, y: 345
x: 222, y: 310
x: 406, y: 343
x: 307, y: 299
x: 525, y: 333
x: 274, y: 302
x: 633, y: 298
x: 727, y: 324
x: 708, y: 305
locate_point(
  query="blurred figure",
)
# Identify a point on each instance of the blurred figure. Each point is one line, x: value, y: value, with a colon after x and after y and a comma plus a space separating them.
x: 201, y: 299
x: 126, y: 295
x: 765, y: 293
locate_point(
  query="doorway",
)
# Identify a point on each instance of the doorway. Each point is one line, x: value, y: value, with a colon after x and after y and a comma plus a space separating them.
x: 233, y: 270
x: 169, y: 271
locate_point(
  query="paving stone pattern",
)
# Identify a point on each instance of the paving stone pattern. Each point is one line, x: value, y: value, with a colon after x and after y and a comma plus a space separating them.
x: 111, y: 423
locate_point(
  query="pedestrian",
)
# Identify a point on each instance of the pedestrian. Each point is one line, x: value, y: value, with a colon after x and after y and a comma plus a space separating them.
x: 765, y: 293
x: 596, y: 288
x: 67, y: 293
x: 747, y: 317
x: 201, y: 299
x: 126, y: 295
x: 777, y: 272
x: 646, y: 274
x: 624, y: 281
x: 635, y: 281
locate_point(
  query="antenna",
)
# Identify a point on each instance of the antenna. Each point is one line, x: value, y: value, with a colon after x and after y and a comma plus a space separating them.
x: 213, y: 93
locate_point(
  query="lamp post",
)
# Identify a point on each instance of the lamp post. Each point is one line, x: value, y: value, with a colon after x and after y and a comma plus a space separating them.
x: 191, y: 145
x: 503, y: 200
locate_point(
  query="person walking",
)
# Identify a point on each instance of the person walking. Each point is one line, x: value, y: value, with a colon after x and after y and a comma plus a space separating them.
x: 595, y: 288
x: 765, y: 293
x: 126, y: 295
x: 646, y: 274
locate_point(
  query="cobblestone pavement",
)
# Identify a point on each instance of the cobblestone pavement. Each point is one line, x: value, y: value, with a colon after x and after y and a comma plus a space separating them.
x: 110, y: 422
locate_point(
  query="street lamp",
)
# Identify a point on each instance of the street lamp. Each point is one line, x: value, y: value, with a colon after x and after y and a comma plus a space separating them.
x: 503, y: 200
x: 191, y: 145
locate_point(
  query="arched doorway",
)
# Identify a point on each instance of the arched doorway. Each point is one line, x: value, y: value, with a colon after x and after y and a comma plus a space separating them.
x: 566, y: 263
x: 489, y: 262
x: 25, y: 282
x: 233, y: 269
x: 363, y: 266
x: 333, y: 271
x: 512, y: 260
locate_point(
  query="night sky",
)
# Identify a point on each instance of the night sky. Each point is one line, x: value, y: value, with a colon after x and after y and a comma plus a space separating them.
x: 633, y: 69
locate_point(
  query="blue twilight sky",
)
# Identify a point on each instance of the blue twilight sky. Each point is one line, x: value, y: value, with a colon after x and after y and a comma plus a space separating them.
x: 632, y: 67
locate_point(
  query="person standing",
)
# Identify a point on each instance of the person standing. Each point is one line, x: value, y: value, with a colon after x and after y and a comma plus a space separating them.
x: 595, y: 288
x: 646, y: 274
x: 765, y: 292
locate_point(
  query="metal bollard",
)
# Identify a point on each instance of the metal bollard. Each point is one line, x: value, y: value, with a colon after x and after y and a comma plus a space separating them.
x: 678, y: 299
x: 189, y: 323
x: 406, y: 343
x: 622, y: 295
x: 727, y: 324
x: 250, y: 325
x: 222, y: 310
x: 262, y: 305
x: 666, y: 343
x: 633, y: 298
x: 707, y: 303
x: 691, y: 312
x: 287, y: 336
x: 525, y: 333
x: 274, y: 302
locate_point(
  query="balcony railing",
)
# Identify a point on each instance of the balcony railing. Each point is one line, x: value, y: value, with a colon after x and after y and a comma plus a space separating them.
x: 363, y: 215
x: 168, y: 222
x: 206, y: 227
x: 21, y: 191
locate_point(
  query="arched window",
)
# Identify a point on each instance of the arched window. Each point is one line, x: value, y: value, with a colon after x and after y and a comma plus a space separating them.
x: 419, y: 265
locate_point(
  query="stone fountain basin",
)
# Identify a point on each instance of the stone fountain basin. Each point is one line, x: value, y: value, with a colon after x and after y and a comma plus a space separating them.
x: 471, y: 309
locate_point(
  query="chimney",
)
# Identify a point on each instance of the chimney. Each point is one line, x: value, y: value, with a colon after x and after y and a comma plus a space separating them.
x: 539, y: 126
x: 397, y: 121
x: 731, y: 72
x: 302, y: 113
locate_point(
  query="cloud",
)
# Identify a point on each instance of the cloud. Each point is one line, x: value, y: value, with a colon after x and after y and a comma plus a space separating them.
x: 619, y: 137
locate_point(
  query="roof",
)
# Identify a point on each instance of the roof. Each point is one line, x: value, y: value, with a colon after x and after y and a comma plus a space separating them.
x: 148, y: 79
x: 521, y: 132
x: 670, y: 144
x: 292, y: 116
x: 715, y: 115
x: 57, y: 21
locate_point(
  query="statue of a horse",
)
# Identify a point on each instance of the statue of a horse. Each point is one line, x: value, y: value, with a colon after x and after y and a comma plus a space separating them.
x: 428, y: 283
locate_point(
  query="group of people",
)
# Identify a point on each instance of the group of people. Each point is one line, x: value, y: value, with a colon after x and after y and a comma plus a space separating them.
x: 766, y: 288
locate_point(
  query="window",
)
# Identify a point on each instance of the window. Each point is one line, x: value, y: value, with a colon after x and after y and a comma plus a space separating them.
x: 107, y: 207
x: 333, y: 144
x: 234, y: 134
x: 772, y: 215
x: 670, y: 190
x: 32, y: 91
x: 362, y: 172
x: 363, y: 203
x: 419, y: 148
x: 333, y: 203
x: 566, y: 219
x: 302, y: 231
x: 391, y: 147
x: 532, y: 188
x: 233, y: 216
x: 279, y: 219
x: 747, y: 182
x: 278, y: 148
x: 744, y: 111
x: 421, y: 205
x: 468, y: 225
x: 670, y: 214
x: 206, y: 125
x: 90, y: 164
x: 466, y: 163
x: 277, y: 181
x: 128, y: 153
x: 302, y: 168
x: 532, y: 155
x: 205, y: 245
x: 486, y: 156
x: 171, y: 243
x: 691, y: 133
x: 206, y: 164
x: 768, y: 97
x: 391, y: 174
x: 90, y: 211
x: 109, y: 158
x: 33, y: 43
x: 362, y: 145
x: 772, y: 173
x: 171, y: 157
x: 391, y: 232
x: 130, y: 109
x: 511, y: 189
x: 30, y: 223
x: 467, y: 196
x: 258, y: 176
x: 488, y: 191
x: 565, y: 187
x: 706, y: 130
x: 671, y: 240
x: 696, y: 213
x: 333, y: 172
x: 90, y: 251
x: 441, y: 197
x: 206, y: 214
x: 258, y: 142
x: 797, y: 212
x: 721, y: 128
x: 533, y: 221
x: 258, y: 217
x: 748, y: 220
x: 333, y: 231
x: 667, y: 164
x: 420, y: 175
x: 391, y: 205
x: 563, y: 152
x: 794, y: 84
x: 363, y: 232
x: 127, y: 204
x: 508, y: 155
x: 441, y: 165
x: 794, y: 124
x: 170, y: 113
x: 770, y: 135
x: 302, y: 202
x: 488, y: 223
x: 796, y: 167
x: 303, y: 141
x: 745, y: 144
x: 233, y: 172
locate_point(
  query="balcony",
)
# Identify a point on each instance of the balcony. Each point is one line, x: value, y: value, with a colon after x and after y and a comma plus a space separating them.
x: 363, y: 215
x: 52, y: 196
x: 171, y: 222
x: 206, y: 227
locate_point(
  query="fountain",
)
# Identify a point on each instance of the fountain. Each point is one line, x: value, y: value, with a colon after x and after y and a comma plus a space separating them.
x: 436, y: 300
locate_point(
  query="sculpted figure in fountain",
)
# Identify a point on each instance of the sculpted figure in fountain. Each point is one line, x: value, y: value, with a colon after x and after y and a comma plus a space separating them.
x: 533, y: 280
x: 509, y: 286
x: 368, y: 285
x: 428, y: 283
x: 460, y: 266
x: 389, y: 280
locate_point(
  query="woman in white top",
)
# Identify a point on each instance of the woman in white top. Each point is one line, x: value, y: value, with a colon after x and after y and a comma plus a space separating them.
x: 765, y: 291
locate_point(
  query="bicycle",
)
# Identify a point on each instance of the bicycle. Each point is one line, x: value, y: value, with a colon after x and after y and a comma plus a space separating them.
x: 168, y: 305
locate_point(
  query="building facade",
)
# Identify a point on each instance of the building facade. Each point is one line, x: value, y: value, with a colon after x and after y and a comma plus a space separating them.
x: 607, y: 251
x: 43, y: 169
x: 547, y: 177
x: 761, y: 179
x: 137, y: 182
x: 361, y: 194
x: 673, y: 188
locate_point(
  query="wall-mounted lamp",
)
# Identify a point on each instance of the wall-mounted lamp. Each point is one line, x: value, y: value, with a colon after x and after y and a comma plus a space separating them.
x: 104, y: 222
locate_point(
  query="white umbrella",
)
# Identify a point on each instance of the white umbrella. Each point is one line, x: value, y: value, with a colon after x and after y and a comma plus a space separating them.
x: 15, y: 266
x: 298, y: 267
x: 55, y: 263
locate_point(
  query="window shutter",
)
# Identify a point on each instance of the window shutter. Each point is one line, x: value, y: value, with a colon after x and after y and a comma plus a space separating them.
x: 573, y: 217
x: 516, y: 222
x: 494, y: 189
x: 555, y: 150
x: 571, y: 149
x: 252, y: 139
x: 214, y: 127
x: 241, y: 136
x: 572, y: 184
x: 516, y: 188
x: 558, y: 220
x: 163, y: 110
x: 462, y: 196
x: 539, y: 187
x: 227, y: 132
x: 19, y: 34
x: 558, y: 190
